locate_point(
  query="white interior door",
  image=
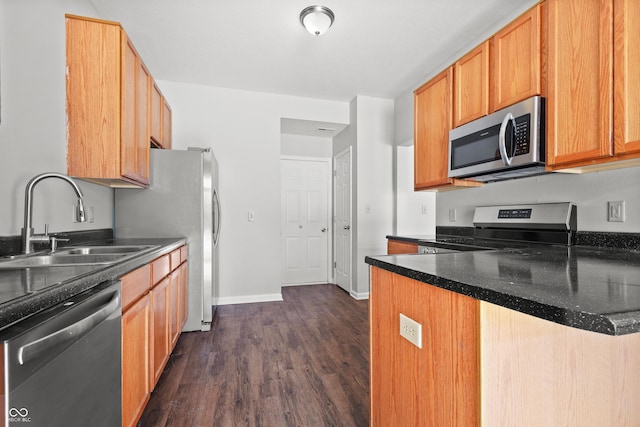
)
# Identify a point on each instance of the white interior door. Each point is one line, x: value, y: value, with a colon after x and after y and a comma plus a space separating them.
x: 342, y: 220
x: 305, y: 221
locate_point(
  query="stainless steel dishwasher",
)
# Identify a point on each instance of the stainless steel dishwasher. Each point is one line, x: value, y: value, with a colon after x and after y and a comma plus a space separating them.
x: 62, y: 366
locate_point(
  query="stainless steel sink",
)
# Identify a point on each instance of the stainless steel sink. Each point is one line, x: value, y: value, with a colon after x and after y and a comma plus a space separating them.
x: 75, y: 256
x: 100, y: 250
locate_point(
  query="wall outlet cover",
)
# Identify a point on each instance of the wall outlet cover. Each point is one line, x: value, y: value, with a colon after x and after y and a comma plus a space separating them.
x: 411, y: 330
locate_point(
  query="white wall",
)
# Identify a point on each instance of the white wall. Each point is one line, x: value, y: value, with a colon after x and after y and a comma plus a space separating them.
x: 243, y: 129
x: 33, y: 117
x: 370, y: 135
x: 305, y: 146
x: 590, y: 192
x: 375, y: 198
x: 410, y: 218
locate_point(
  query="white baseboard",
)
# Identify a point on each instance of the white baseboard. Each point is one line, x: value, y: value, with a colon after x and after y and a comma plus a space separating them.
x: 359, y: 296
x: 247, y: 299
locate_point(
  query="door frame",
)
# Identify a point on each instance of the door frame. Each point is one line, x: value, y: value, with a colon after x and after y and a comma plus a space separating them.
x: 328, y: 162
x: 349, y: 151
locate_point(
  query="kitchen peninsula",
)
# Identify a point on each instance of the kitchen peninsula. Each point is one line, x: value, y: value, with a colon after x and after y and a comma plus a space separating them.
x: 523, y: 337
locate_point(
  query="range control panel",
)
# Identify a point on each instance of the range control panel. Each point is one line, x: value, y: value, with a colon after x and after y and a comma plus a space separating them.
x: 514, y: 213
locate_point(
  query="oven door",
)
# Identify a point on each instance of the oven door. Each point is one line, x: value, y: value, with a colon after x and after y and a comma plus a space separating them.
x: 507, y: 139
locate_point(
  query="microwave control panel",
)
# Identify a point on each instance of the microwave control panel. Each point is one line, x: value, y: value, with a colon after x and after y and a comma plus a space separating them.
x: 522, y: 134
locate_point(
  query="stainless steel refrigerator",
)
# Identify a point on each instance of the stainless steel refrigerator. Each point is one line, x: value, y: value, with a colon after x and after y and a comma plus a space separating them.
x: 181, y: 201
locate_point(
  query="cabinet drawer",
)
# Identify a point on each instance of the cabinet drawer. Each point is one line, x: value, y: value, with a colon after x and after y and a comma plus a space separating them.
x: 175, y: 259
x: 184, y: 253
x: 134, y: 285
x: 160, y: 267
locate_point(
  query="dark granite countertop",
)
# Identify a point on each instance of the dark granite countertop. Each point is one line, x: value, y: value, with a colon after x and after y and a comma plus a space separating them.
x: 412, y: 238
x: 24, y: 292
x: 590, y: 288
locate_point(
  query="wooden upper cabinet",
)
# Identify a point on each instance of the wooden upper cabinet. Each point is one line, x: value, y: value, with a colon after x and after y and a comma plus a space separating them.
x: 432, y: 122
x: 109, y: 101
x: 156, y: 115
x: 166, y: 125
x: 432, y: 108
x: 471, y: 86
x: 580, y: 86
x: 135, y: 115
x: 626, y: 74
x: 160, y: 119
x: 516, y: 60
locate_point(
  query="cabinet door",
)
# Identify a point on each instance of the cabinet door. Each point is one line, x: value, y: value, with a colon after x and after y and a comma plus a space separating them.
x: 161, y: 303
x: 93, y: 98
x: 156, y: 115
x: 166, y: 125
x: 432, y: 124
x: 580, y: 73
x: 516, y: 51
x: 438, y: 384
x: 135, y: 115
x: 136, y: 358
x: 143, y: 91
x: 471, y: 86
x: 128, y: 147
x: 184, y: 296
x: 174, y: 322
x: 626, y: 76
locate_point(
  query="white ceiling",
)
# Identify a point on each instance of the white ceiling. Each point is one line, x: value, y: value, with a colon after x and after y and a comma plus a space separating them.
x: 378, y: 48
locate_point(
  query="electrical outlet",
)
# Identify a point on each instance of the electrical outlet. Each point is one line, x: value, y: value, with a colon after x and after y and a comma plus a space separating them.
x: 616, y: 211
x: 452, y: 215
x: 411, y: 330
x: 251, y: 216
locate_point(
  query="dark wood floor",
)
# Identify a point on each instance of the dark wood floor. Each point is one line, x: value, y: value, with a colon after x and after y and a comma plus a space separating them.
x: 300, y: 362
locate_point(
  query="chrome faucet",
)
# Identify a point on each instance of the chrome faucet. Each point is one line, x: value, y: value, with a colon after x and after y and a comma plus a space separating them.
x: 28, y: 237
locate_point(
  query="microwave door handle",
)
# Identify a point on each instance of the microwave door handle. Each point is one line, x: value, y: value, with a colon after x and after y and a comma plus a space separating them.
x: 502, y: 143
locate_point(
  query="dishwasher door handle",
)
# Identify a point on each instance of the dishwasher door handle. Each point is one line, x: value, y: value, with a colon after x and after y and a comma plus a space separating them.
x: 35, y: 349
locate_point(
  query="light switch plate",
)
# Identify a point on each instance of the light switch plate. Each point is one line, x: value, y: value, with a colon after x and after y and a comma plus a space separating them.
x: 616, y: 211
x: 411, y: 330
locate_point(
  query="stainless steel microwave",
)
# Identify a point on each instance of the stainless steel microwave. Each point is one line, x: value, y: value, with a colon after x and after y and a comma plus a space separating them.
x: 506, y: 144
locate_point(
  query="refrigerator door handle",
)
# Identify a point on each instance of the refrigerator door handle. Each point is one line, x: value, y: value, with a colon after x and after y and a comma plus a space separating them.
x: 218, y: 216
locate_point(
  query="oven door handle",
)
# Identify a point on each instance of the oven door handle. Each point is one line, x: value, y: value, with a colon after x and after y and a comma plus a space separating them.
x: 502, y: 143
x: 75, y: 331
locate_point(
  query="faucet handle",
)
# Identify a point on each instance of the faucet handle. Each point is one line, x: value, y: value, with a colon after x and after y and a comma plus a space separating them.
x: 54, y: 242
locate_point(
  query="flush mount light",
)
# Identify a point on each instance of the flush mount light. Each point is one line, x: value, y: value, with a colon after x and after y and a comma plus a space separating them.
x: 316, y: 19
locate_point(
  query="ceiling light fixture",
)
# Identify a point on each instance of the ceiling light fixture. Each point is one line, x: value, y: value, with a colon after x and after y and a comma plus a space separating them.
x: 316, y: 19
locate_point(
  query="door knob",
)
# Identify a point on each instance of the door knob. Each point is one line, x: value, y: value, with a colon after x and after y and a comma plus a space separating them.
x: 323, y: 230
x: 347, y: 227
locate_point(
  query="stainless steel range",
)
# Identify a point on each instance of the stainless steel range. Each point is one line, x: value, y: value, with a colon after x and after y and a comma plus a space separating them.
x: 511, y: 226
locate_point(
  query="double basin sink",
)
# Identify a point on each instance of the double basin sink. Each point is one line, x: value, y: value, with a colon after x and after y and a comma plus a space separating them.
x: 75, y: 256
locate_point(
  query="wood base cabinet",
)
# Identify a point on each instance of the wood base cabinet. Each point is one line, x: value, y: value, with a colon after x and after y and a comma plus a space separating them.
x: 395, y: 247
x: 436, y: 385
x: 485, y: 365
x: 153, y: 304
